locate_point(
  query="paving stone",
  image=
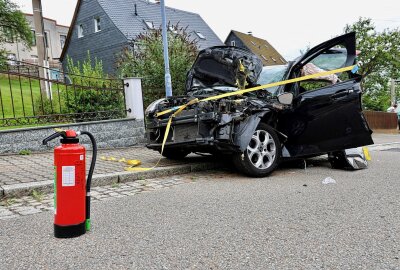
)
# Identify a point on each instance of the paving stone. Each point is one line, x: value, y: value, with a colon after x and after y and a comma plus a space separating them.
x: 29, y: 212
x: 5, y: 212
x: 9, y: 217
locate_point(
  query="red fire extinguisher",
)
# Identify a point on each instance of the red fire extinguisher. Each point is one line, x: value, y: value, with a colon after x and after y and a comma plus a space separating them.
x: 71, y: 190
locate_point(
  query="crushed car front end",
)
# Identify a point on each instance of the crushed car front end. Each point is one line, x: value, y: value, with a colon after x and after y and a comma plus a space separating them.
x: 218, y: 125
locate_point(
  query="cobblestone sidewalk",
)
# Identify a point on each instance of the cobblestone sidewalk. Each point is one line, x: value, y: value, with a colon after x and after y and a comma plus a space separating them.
x: 17, y: 169
x: 38, y: 202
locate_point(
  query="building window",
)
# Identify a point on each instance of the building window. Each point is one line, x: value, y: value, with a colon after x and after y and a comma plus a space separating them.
x: 149, y: 25
x: 97, y: 25
x: 252, y: 42
x: 173, y: 29
x: 265, y: 58
x: 46, y: 40
x: 63, y: 38
x: 233, y: 43
x: 200, y: 35
x: 33, y: 37
x: 80, y: 30
x: 12, y: 57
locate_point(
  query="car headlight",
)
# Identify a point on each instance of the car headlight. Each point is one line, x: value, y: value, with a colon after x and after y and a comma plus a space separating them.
x: 153, y: 106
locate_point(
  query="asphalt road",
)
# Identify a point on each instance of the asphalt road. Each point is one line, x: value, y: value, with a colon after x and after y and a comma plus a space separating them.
x: 226, y: 221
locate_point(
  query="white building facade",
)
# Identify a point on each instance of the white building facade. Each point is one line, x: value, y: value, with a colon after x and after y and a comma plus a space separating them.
x: 55, y: 35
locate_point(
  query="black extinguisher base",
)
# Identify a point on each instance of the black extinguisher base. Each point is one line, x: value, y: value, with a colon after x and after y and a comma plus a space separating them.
x: 69, y: 231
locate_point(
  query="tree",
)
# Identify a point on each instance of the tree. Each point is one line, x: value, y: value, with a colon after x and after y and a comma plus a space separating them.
x: 379, y: 61
x: 13, y: 25
x: 143, y: 57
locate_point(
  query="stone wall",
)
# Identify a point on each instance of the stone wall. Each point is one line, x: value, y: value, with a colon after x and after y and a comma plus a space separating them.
x: 109, y: 133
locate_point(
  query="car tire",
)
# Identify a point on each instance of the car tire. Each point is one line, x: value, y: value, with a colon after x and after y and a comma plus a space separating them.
x: 175, y: 154
x: 338, y: 160
x: 262, y: 155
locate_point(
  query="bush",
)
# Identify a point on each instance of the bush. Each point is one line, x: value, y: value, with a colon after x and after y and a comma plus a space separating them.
x: 93, y: 90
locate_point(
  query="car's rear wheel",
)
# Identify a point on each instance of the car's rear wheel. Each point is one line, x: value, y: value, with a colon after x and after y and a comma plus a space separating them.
x: 175, y: 154
x: 262, y: 155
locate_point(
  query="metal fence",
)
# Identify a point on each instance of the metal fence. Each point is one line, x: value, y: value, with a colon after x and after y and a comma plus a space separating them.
x: 32, y: 94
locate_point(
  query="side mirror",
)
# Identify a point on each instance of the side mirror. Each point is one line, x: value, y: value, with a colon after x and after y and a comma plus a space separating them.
x: 285, y: 98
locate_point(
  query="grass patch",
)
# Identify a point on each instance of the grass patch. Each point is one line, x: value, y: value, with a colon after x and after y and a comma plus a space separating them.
x: 37, y: 195
x: 115, y: 185
x: 7, y: 202
x: 32, y: 125
x: 24, y: 152
x: 24, y: 93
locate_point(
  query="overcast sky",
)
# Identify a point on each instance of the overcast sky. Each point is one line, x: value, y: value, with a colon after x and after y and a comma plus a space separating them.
x: 288, y: 25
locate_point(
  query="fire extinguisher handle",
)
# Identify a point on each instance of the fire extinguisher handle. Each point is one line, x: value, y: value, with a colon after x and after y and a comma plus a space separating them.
x: 51, y: 137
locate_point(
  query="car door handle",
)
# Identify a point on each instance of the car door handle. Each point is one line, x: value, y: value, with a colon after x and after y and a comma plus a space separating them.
x: 341, y: 93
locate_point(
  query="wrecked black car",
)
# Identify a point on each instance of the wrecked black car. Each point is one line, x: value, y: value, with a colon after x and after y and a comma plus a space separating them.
x: 261, y: 128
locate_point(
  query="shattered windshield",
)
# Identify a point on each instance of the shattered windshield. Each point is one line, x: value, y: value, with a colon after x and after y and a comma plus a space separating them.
x: 271, y: 74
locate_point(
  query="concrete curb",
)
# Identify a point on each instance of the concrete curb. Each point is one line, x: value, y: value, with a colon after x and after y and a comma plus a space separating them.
x: 23, y: 189
x: 383, y: 146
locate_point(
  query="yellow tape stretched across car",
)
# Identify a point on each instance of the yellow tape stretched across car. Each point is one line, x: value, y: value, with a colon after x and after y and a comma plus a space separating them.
x: 177, y: 110
x: 243, y: 91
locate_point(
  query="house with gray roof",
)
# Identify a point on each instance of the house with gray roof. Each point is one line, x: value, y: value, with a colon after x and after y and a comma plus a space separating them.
x: 104, y: 27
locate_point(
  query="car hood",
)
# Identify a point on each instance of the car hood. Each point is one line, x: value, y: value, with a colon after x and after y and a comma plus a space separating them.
x: 224, y: 66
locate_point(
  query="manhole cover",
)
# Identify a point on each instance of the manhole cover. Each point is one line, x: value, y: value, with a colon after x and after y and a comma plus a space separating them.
x: 392, y: 150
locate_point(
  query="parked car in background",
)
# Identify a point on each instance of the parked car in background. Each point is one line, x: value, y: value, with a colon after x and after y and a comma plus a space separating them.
x: 262, y: 128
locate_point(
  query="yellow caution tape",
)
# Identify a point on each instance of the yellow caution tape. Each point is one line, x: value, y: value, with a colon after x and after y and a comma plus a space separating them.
x: 366, y: 153
x: 133, y: 162
x: 241, y: 92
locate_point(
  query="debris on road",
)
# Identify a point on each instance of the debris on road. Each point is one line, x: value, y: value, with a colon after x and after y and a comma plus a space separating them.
x: 328, y: 180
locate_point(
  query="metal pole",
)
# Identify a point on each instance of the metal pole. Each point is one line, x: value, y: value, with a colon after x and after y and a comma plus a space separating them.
x: 168, y: 83
x: 40, y: 42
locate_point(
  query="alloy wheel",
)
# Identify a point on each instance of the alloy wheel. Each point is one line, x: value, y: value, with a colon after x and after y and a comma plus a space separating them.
x: 261, y: 149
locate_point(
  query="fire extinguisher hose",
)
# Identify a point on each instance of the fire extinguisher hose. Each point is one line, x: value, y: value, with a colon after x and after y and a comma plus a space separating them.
x: 89, y: 178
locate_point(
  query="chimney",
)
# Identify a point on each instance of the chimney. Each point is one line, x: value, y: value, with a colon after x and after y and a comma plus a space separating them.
x: 135, y: 10
x: 250, y: 33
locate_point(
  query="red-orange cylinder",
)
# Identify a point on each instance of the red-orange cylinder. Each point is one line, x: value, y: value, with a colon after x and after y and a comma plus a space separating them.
x: 69, y: 188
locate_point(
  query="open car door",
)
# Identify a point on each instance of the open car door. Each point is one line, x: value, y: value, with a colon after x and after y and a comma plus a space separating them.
x: 327, y: 114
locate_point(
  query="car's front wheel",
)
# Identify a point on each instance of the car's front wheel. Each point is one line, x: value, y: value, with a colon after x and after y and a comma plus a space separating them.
x: 262, y: 155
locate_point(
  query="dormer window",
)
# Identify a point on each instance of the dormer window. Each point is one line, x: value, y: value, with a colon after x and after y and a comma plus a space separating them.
x: 80, y: 30
x: 252, y: 42
x: 265, y: 58
x: 97, y: 25
x: 173, y: 29
x: 150, y: 25
x: 200, y: 35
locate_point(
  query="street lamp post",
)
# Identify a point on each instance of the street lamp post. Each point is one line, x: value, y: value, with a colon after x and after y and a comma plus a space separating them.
x: 168, y: 83
x: 40, y: 44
